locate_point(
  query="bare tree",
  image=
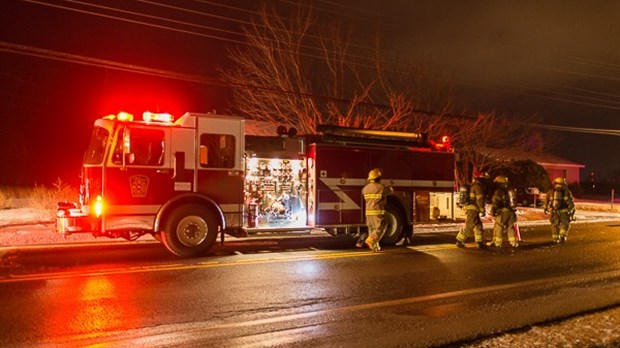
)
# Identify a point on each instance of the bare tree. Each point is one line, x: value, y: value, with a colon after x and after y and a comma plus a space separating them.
x: 293, y: 74
x: 487, y: 142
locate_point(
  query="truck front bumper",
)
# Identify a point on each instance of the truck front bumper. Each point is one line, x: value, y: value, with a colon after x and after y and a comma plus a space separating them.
x: 70, y: 220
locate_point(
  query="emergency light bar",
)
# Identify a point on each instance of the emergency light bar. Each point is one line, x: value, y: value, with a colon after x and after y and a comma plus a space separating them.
x: 121, y: 116
x: 157, y: 117
x: 147, y: 116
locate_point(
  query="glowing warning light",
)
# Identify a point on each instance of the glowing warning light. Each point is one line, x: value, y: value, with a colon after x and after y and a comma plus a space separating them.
x: 444, y: 145
x: 157, y: 117
x: 124, y: 116
x: 98, y: 206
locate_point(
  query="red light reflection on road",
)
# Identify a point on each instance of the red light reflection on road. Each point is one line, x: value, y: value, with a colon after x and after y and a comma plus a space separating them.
x: 88, y: 306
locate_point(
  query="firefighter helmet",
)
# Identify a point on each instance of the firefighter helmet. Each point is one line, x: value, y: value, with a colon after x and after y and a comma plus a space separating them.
x: 502, y: 179
x: 559, y: 181
x: 374, y: 174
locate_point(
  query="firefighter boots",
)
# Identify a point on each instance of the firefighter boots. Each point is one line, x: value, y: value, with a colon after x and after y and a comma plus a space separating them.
x: 560, y: 240
x: 404, y: 241
x: 372, y: 244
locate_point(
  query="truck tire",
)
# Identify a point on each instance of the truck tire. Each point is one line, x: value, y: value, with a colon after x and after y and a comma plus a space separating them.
x: 394, y: 225
x: 190, y: 230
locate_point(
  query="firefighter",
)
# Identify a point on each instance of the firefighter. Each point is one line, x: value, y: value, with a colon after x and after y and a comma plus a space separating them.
x: 472, y: 201
x: 375, y: 196
x: 562, y: 209
x: 503, y: 208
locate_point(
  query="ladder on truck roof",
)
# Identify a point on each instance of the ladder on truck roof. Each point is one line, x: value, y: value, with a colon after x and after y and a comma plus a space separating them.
x: 350, y: 135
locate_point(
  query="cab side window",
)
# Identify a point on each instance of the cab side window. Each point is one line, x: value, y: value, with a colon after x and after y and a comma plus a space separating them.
x: 141, y: 147
x: 217, y: 151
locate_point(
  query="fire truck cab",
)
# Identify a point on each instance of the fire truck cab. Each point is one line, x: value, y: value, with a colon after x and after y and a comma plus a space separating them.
x: 185, y: 181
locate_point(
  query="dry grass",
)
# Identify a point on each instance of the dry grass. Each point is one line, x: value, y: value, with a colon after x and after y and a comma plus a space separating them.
x: 39, y: 197
x: 4, y: 199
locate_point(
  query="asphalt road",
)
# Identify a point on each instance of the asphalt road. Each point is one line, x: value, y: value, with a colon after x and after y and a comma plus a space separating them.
x: 309, y: 292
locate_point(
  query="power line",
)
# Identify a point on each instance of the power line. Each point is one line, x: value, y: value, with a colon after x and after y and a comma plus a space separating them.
x: 246, y: 22
x: 186, y: 31
x: 613, y: 132
x: 595, y: 63
x: 575, y: 98
x: 570, y: 72
x: 101, y: 63
x: 513, y: 89
x: 201, y: 13
x: 135, y: 21
x: 225, y: 6
x: 71, y: 58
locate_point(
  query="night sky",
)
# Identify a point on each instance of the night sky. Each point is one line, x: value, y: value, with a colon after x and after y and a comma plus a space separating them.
x: 556, y: 60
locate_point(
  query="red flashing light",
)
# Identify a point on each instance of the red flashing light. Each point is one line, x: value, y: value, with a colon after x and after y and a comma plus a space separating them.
x: 124, y: 116
x: 444, y: 145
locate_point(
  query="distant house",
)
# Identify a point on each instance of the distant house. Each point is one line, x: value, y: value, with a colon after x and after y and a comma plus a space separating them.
x: 554, y: 165
x: 558, y: 166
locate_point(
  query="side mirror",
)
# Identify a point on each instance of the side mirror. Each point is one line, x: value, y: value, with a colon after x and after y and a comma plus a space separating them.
x: 126, y: 147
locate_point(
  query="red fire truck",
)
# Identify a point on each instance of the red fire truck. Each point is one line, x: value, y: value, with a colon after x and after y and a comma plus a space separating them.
x: 185, y: 181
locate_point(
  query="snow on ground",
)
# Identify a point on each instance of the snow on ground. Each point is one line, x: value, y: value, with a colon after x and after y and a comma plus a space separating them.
x: 28, y: 226
x: 600, y: 330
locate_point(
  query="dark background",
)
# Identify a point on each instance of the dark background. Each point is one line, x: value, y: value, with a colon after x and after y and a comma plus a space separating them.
x: 558, y: 61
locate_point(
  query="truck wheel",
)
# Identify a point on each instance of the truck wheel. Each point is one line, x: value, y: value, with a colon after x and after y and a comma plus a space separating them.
x: 394, y: 225
x: 190, y: 230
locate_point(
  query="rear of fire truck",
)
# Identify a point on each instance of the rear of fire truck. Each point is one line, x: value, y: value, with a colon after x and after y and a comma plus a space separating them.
x: 338, y: 166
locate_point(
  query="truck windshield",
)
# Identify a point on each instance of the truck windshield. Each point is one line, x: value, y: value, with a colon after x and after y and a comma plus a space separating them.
x: 96, y: 148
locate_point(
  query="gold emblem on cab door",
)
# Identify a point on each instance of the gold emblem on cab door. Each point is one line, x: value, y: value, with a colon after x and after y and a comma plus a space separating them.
x: 139, y: 185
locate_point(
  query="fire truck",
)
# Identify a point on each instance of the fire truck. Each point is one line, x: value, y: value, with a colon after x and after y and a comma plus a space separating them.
x: 188, y: 180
